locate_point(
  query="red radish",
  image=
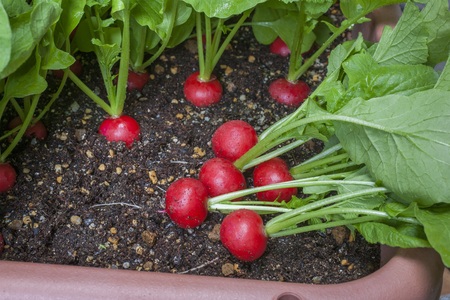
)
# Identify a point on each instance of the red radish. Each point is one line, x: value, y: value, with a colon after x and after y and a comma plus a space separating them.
x: 187, y: 202
x: 289, y: 93
x: 76, y: 68
x: 220, y: 176
x: 202, y: 93
x: 7, y: 177
x: 232, y: 139
x: 36, y: 130
x: 120, y: 129
x: 137, y: 80
x: 242, y: 233
x: 273, y: 171
x: 279, y: 47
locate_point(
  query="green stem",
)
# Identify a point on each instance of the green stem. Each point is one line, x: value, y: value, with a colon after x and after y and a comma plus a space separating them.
x: 200, y: 48
x: 327, y: 170
x: 302, y: 168
x: 121, y: 92
x: 279, y: 226
x: 229, y: 37
x: 325, y: 202
x: 173, y: 14
x: 258, y: 208
x: 322, y: 226
x: 273, y: 154
x: 295, y: 58
x: 300, y: 183
x: 310, y: 61
x: 26, y: 123
x: 99, y: 101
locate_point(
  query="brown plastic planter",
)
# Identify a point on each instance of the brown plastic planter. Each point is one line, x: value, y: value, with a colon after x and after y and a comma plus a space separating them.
x: 406, y: 274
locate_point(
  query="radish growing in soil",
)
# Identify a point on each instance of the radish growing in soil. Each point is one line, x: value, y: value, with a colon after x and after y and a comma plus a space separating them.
x: 36, y: 130
x: 76, y: 68
x: 220, y: 176
x: 7, y: 177
x: 242, y: 233
x: 202, y: 93
x: 233, y: 139
x: 117, y: 127
x: 137, y: 80
x: 289, y: 93
x: 273, y: 171
x: 123, y: 128
x: 202, y: 88
x: 186, y: 202
x: 279, y: 47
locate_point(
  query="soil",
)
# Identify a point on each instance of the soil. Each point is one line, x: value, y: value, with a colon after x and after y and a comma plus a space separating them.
x: 80, y: 200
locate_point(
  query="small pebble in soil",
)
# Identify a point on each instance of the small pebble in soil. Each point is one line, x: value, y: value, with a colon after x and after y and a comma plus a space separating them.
x: 75, y: 220
x: 149, y: 237
x: 227, y: 269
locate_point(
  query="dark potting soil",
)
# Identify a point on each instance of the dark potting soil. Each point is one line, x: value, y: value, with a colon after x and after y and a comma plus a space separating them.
x: 80, y: 200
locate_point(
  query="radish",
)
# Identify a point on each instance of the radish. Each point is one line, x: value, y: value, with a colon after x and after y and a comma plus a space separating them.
x: 289, y: 93
x: 202, y: 93
x: 220, y: 176
x: 242, y: 233
x: 187, y: 202
x: 7, y: 177
x: 36, y: 130
x: 76, y: 68
x: 272, y: 171
x: 120, y: 129
x: 279, y: 47
x: 137, y: 80
x: 232, y: 139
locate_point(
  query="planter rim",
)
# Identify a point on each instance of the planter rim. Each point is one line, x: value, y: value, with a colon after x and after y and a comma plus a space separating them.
x: 406, y: 274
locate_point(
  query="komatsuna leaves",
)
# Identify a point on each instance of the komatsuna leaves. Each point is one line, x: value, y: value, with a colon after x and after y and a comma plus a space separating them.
x: 403, y: 140
x: 436, y: 223
x: 5, y: 38
x: 223, y: 8
x: 406, y: 43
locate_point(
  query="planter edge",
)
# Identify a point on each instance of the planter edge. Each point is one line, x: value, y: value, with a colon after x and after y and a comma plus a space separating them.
x: 409, y: 274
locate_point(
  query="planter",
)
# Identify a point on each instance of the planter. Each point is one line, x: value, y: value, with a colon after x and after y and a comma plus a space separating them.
x: 406, y: 274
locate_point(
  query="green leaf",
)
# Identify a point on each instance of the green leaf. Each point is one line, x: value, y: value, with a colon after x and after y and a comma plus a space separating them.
x: 437, y: 23
x: 353, y: 8
x: 375, y: 81
x: 25, y: 81
x: 443, y: 82
x: 148, y: 13
x: 223, y: 8
x: 16, y: 7
x: 406, y: 43
x: 395, y: 234
x: 403, y: 140
x: 5, y: 38
x: 44, y: 15
x: 72, y: 12
x: 436, y: 223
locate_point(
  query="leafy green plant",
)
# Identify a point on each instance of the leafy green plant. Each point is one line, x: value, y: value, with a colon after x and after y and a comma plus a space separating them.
x: 300, y: 24
x: 32, y: 33
x: 202, y: 88
x: 382, y: 113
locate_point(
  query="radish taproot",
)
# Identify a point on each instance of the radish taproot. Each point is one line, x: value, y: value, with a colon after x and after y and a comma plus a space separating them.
x: 279, y: 47
x: 121, y: 129
x: 202, y: 93
x: 233, y: 139
x: 7, y: 177
x: 273, y: 171
x: 137, y: 80
x: 289, y: 93
x: 187, y: 202
x: 242, y: 233
x: 36, y: 130
x: 220, y: 176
